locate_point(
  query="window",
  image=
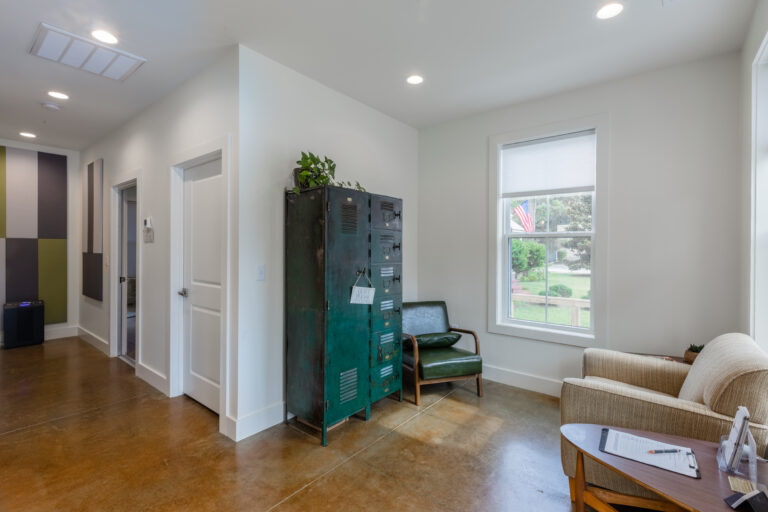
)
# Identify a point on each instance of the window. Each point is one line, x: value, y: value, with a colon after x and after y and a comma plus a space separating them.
x: 545, y: 198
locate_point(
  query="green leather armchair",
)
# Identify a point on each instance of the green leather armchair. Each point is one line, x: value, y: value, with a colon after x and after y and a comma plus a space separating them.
x: 431, y: 356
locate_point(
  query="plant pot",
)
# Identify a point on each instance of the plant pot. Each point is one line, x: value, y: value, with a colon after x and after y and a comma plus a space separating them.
x: 689, y: 356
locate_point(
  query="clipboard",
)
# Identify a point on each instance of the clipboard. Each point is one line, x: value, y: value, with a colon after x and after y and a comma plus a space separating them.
x: 632, y: 447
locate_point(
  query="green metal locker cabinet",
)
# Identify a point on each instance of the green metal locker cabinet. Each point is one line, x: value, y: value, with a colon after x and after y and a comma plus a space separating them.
x: 339, y: 357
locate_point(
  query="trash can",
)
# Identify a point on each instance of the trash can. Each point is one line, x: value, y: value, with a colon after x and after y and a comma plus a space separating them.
x: 23, y: 323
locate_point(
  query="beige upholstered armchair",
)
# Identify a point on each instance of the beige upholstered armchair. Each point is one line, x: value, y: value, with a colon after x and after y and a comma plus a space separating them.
x: 647, y: 393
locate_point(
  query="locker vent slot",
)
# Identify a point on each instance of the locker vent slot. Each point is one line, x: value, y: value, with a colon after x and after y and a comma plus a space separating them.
x: 387, y: 304
x: 386, y: 371
x: 348, y: 385
x: 349, y: 219
x: 387, y: 271
x: 387, y: 338
x: 387, y: 240
x: 387, y: 206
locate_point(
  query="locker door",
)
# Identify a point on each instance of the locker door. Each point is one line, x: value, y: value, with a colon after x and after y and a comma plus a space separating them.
x: 347, y: 327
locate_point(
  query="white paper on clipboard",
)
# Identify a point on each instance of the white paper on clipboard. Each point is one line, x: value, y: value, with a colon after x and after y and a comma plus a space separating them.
x: 637, y: 448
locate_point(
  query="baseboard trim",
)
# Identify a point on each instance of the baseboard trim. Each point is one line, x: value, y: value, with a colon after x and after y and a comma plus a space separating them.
x: 56, y: 331
x: 153, y: 377
x: 545, y: 385
x: 252, y: 423
x: 53, y: 332
x: 95, y: 340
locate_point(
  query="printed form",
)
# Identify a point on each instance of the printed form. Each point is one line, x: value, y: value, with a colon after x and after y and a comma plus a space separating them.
x: 679, y: 459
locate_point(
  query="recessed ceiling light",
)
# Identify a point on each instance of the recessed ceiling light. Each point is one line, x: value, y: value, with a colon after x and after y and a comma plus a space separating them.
x: 104, y: 36
x: 609, y: 10
x: 415, y: 79
x: 58, y: 95
x: 28, y: 135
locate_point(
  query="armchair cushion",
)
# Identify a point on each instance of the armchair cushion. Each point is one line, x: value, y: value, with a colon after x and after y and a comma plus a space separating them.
x: 425, y: 317
x: 437, y: 339
x: 730, y: 371
x: 439, y: 363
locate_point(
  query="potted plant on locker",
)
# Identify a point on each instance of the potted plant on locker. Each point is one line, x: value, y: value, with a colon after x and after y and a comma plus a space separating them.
x: 312, y: 171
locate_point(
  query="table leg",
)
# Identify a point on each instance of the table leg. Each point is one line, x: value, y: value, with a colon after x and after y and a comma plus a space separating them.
x: 580, y: 482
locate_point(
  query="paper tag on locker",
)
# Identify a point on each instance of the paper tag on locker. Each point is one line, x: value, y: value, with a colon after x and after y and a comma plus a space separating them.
x: 362, y: 295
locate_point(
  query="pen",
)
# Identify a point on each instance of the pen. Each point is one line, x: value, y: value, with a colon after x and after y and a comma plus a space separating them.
x: 664, y: 451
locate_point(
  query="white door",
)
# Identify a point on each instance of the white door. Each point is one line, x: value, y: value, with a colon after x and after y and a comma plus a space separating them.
x: 203, y: 257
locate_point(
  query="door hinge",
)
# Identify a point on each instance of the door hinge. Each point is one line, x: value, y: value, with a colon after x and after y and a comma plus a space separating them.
x: 327, y: 404
x: 327, y: 306
x: 328, y: 206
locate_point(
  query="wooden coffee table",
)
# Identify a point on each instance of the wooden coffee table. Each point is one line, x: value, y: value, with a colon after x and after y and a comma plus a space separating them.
x: 676, y: 492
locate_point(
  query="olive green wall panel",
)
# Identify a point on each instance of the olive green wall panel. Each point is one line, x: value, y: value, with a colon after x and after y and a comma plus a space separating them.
x: 52, y: 278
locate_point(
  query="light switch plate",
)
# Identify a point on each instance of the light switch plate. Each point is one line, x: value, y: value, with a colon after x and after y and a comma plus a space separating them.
x: 261, y: 273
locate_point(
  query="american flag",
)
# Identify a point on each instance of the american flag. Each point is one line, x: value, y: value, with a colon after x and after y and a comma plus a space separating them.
x: 525, y: 218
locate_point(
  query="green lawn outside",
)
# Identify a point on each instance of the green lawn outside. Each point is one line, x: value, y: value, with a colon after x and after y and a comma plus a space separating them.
x: 578, y: 283
x: 557, y: 315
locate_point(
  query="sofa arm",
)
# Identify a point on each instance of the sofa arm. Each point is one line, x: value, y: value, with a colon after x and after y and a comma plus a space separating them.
x: 643, y: 371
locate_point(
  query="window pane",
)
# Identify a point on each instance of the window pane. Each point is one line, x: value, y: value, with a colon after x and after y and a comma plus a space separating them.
x: 525, y: 215
x: 570, y: 212
x: 569, y: 281
x: 527, y: 273
x: 550, y: 163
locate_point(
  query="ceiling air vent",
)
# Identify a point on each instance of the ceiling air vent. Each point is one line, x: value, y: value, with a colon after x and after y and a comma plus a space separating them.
x: 58, y: 45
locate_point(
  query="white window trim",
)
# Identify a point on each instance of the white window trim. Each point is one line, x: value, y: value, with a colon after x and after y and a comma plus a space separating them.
x: 497, y: 322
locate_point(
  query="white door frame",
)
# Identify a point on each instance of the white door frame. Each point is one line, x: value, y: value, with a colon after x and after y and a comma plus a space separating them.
x: 759, y: 135
x: 219, y: 148
x: 115, y: 229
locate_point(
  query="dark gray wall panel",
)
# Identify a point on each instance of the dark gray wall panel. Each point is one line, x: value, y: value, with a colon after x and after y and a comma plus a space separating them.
x: 51, y: 196
x: 92, y: 275
x: 21, y: 269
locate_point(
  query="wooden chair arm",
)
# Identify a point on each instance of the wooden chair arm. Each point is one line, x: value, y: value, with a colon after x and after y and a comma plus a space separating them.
x: 415, y: 350
x: 473, y: 333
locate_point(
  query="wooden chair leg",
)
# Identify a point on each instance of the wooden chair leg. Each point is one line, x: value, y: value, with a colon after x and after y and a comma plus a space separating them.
x: 416, y: 386
x: 572, y: 486
x: 479, y: 385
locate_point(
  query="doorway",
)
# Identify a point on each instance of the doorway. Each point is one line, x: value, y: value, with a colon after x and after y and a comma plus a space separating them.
x: 203, y: 272
x: 127, y: 268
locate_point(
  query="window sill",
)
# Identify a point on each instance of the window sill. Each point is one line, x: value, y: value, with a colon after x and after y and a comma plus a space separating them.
x: 547, y: 334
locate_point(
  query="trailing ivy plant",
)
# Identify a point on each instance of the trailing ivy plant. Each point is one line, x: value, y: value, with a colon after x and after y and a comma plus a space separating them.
x: 314, y: 172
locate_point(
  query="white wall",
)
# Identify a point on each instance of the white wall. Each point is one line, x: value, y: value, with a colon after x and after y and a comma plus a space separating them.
x: 755, y: 127
x: 74, y: 210
x: 675, y: 243
x: 201, y: 110
x: 281, y: 114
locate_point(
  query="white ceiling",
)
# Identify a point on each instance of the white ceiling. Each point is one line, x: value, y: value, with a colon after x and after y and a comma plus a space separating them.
x: 171, y: 34
x: 475, y: 55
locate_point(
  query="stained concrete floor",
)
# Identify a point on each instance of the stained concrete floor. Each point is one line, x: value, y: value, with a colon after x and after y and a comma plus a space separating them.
x: 78, y: 431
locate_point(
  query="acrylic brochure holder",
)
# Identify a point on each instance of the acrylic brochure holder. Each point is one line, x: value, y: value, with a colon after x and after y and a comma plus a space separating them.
x: 744, y: 468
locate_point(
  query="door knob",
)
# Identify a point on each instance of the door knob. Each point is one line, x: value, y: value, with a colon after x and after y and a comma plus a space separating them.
x: 183, y: 292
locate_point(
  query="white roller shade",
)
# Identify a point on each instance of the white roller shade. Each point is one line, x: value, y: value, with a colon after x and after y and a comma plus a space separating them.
x: 553, y: 163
